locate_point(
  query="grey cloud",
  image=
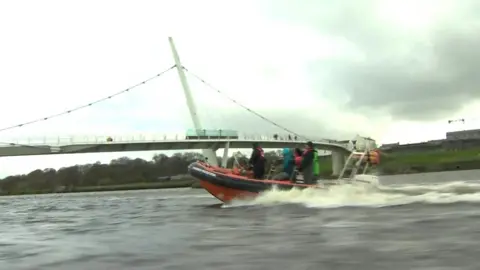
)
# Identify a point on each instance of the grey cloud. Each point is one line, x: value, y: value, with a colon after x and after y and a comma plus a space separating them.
x: 410, y: 77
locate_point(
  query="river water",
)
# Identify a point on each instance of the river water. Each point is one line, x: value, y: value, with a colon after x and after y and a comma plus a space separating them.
x: 427, y: 221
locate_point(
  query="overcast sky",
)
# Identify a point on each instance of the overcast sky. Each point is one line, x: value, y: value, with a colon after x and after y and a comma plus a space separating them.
x: 392, y: 70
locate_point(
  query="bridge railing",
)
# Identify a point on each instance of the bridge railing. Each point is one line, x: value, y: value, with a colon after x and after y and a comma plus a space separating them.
x: 105, y: 139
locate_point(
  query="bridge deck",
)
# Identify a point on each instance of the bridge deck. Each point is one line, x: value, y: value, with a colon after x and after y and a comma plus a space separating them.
x: 133, y: 138
x: 98, y: 144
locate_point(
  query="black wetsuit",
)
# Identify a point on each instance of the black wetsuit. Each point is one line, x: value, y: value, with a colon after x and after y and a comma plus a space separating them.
x: 257, y: 160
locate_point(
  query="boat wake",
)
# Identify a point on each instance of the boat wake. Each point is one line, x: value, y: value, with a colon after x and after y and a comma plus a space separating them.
x: 370, y: 195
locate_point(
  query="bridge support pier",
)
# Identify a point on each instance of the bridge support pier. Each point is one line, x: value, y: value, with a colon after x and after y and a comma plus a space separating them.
x: 225, y: 154
x: 338, y: 161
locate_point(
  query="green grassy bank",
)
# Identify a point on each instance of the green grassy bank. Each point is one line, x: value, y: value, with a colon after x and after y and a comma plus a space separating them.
x: 430, y: 161
x: 415, y: 162
x: 430, y: 157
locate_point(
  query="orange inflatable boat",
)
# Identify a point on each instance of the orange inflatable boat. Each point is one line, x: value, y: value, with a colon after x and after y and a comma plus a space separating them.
x: 229, y: 184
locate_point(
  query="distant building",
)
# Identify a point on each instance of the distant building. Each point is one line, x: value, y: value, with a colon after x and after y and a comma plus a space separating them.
x: 455, y: 140
x: 464, y: 134
x: 388, y: 146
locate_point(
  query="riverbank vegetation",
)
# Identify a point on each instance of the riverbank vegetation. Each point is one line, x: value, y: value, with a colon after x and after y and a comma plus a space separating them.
x: 430, y: 161
x: 120, y: 174
x: 421, y: 161
x: 171, y: 172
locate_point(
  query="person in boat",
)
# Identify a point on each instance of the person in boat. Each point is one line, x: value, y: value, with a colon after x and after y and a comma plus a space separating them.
x: 297, y: 161
x: 288, y: 165
x: 288, y: 162
x: 298, y: 158
x: 309, y: 166
x: 257, y: 161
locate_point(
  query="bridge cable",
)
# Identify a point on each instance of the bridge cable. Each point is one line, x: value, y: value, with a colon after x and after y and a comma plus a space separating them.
x: 88, y: 104
x: 243, y: 106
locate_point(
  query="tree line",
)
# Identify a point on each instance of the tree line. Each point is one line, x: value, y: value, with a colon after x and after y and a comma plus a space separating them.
x: 120, y: 171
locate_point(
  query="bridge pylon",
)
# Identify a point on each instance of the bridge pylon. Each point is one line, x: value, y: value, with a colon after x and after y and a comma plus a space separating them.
x: 207, y: 153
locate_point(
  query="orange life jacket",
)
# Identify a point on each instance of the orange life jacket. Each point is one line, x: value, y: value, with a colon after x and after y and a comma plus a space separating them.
x: 298, y: 160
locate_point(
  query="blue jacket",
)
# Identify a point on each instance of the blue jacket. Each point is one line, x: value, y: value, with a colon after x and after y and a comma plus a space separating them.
x: 288, y: 161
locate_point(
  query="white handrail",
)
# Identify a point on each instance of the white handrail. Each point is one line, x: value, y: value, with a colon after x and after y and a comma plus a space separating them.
x: 132, y: 138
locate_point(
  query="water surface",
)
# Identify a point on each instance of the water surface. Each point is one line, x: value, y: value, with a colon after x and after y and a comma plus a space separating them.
x: 425, y: 221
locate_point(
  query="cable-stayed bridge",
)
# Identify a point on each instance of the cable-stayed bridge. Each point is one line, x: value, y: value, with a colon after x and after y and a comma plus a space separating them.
x: 208, y: 140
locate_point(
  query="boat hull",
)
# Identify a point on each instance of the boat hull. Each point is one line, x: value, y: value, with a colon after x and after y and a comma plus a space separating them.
x: 226, y: 186
x: 225, y: 194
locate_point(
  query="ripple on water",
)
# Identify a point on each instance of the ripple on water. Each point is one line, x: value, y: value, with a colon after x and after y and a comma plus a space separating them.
x: 187, y: 229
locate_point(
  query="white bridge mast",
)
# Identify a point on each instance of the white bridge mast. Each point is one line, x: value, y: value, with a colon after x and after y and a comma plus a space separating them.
x: 208, y: 153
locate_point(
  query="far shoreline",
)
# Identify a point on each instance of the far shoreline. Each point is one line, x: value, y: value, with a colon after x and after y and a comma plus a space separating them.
x: 186, y: 183
x: 164, y: 172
